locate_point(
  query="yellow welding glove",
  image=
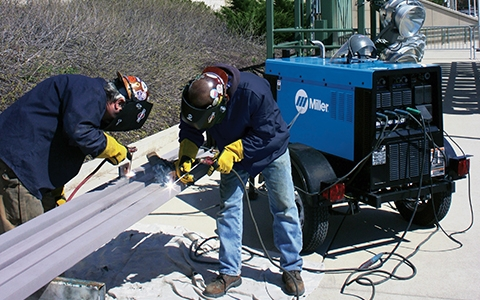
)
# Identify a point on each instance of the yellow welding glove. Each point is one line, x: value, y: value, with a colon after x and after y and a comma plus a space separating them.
x: 231, y: 154
x: 59, y: 195
x: 114, y: 152
x: 187, y: 153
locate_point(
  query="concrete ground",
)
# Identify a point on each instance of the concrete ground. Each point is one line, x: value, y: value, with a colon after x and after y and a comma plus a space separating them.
x: 442, y: 262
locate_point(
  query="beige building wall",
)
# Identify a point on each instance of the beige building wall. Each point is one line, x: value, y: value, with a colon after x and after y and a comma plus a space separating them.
x: 442, y: 16
x: 214, y: 4
x: 436, y: 15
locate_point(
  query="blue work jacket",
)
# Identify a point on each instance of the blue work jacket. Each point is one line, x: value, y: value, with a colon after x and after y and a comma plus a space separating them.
x: 47, y: 133
x: 252, y: 116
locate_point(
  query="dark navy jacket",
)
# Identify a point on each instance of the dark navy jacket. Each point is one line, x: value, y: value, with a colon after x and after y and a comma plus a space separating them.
x: 253, y: 116
x: 46, y: 134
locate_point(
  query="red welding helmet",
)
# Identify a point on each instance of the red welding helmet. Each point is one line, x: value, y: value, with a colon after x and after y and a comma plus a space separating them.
x: 204, y: 99
x: 136, y: 109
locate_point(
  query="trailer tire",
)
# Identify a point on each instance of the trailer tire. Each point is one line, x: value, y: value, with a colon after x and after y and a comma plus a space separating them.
x: 428, y: 212
x: 314, y: 222
x: 309, y: 169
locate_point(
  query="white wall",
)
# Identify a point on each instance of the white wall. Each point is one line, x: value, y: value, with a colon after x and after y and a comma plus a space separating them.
x: 214, y: 4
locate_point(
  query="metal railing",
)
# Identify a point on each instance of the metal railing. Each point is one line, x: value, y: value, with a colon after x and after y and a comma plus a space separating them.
x: 437, y: 38
x: 451, y: 38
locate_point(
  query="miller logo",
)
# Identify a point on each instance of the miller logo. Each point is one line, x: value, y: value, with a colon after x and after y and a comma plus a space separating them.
x: 303, y: 102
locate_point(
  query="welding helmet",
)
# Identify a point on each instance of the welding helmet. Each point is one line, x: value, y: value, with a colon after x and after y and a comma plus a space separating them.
x: 136, y: 109
x: 204, y: 99
x: 358, y: 47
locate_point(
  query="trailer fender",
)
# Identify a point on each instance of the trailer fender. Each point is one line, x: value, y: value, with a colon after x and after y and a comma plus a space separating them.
x: 313, y: 167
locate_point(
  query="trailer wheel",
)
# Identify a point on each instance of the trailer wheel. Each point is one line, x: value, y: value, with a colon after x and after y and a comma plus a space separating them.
x: 430, y: 208
x: 309, y: 169
x: 314, y: 222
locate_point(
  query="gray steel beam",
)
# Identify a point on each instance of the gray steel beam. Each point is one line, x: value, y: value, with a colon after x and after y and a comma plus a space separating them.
x: 36, y: 252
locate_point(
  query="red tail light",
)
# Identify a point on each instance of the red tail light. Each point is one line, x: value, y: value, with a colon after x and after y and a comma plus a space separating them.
x: 460, y: 166
x: 334, y: 193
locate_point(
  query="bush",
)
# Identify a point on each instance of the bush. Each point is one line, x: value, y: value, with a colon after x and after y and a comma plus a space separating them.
x: 164, y: 42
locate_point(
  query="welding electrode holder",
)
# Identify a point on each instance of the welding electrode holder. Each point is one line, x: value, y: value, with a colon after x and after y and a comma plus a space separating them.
x: 210, y: 161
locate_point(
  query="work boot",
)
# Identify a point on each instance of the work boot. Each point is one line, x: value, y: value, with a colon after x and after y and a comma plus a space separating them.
x: 289, y: 282
x: 220, y: 285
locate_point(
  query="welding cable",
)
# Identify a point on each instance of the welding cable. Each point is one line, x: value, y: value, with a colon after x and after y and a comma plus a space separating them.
x: 358, y: 166
x: 439, y: 226
x: 377, y: 144
x: 437, y: 222
x: 469, y: 190
x: 373, y: 266
x: 374, y: 270
x: 381, y: 116
x: 367, y: 269
x: 267, y: 255
x: 293, y: 120
x: 363, y: 280
x: 86, y: 179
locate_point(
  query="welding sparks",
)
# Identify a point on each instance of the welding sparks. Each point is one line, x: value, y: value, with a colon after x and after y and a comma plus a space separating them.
x: 170, y: 184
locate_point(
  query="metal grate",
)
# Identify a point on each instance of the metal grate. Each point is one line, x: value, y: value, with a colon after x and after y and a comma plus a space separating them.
x: 405, y: 160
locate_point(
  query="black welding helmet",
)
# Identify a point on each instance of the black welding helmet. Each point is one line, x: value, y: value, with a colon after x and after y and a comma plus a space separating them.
x: 204, y: 99
x: 358, y: 47
x: 136, y: 109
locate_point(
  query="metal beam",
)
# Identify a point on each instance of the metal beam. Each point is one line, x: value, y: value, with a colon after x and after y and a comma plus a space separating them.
x: 36, y: 252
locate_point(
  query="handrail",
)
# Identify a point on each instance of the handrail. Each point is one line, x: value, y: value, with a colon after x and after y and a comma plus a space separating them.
x: 451, y: 38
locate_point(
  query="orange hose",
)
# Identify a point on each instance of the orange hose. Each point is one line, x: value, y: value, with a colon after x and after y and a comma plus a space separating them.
x: 85, y: 180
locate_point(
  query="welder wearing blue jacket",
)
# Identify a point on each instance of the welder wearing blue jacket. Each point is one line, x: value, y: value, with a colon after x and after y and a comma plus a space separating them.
x: 239, y: 112
x: 47, y: 133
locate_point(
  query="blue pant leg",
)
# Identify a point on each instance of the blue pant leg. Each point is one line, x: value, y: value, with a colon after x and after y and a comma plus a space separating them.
x: 287, y: 230
x: 230, y: 222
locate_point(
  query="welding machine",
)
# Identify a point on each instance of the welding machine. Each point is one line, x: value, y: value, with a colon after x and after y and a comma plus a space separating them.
x: 366, y: 124
x: 370, y: 132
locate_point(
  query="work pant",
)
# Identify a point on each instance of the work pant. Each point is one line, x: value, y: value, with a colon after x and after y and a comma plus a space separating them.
x: 17, y: 204
x: 286, y: 225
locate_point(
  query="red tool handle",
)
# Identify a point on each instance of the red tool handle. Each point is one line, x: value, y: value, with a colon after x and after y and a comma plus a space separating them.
x: 209, y: 161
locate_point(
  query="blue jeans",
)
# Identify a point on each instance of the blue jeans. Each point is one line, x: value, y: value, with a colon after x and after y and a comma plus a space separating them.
x: 286, y: 226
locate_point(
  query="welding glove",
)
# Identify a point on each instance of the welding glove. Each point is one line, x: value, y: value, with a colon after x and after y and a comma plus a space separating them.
x: 187, y: 153
x: 114, y: 152
x: 59, y: 195
x: 231, y: 154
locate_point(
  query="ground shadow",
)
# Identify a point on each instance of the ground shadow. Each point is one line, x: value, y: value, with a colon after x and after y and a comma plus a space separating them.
x: 460, y: 88
x: 369, y: 228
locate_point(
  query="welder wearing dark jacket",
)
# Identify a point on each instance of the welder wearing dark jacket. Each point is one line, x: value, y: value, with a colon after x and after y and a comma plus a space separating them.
x: 239, y: 112
x: 47, y: 133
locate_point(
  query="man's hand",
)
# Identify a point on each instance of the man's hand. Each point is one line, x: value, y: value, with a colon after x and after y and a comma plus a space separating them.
x: 59, y: 195
x: 183, y: 168
x: 186, y: 157
x: 231, y: 154
x: 115, y: 152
